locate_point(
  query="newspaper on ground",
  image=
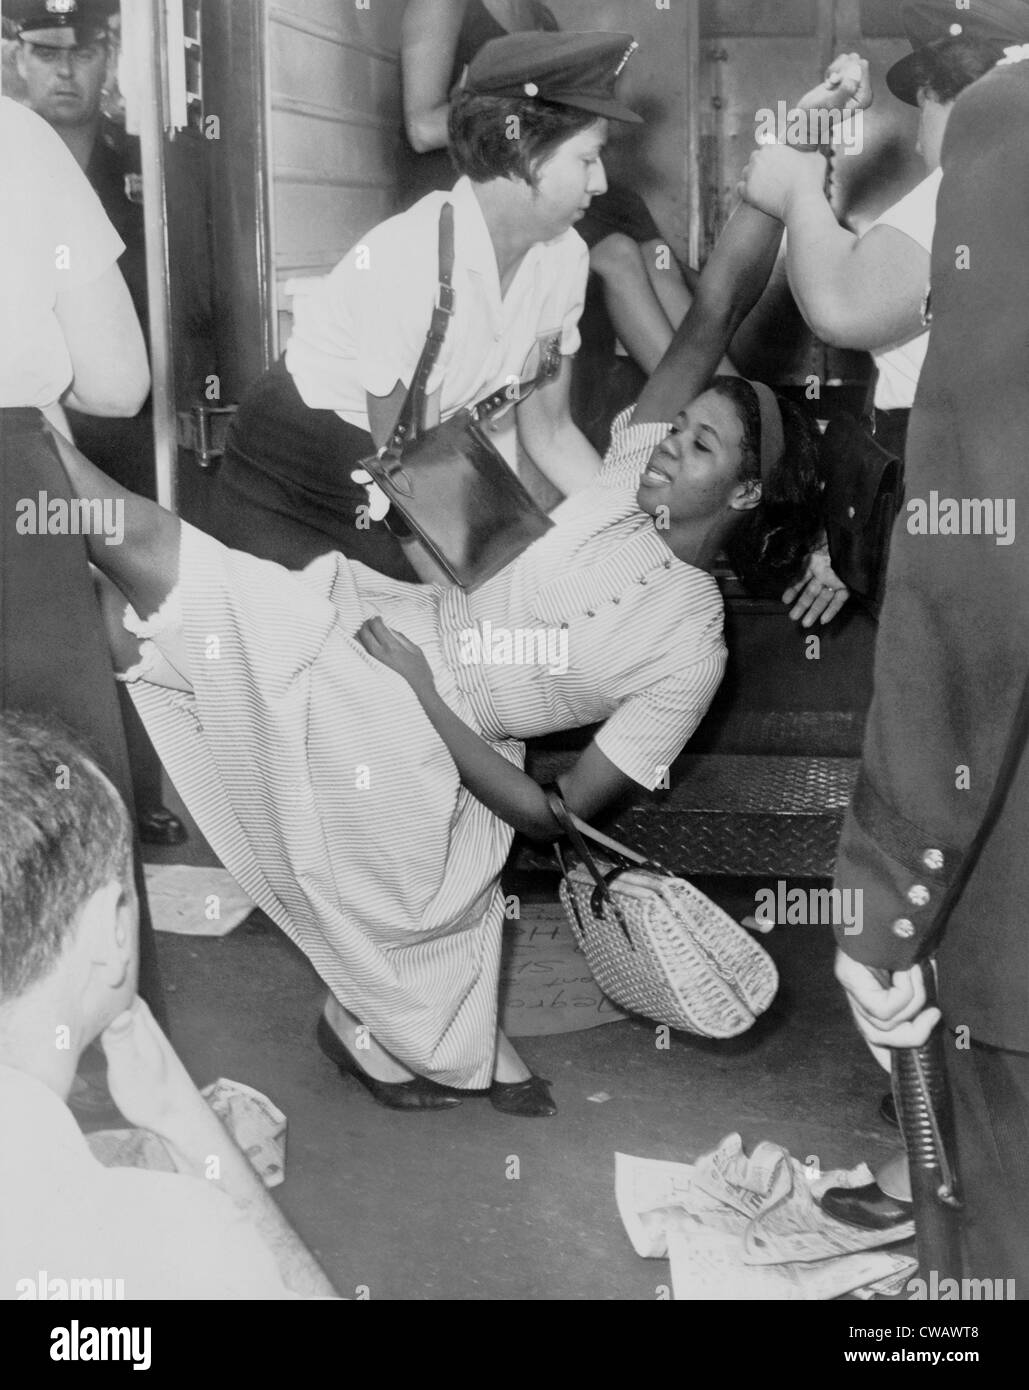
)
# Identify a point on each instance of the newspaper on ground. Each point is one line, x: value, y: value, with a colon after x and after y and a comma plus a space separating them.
x: 738, y: 1226
x: 195, y: 899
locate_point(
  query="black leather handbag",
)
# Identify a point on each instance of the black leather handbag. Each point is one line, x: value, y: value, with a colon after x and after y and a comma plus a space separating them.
x: 455, y: 491
x: 864, y: 490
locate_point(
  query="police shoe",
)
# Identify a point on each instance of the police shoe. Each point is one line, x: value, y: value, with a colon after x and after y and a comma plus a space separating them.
x: 868, y: 1207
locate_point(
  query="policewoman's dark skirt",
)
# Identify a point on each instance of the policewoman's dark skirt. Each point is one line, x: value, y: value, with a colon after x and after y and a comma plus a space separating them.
x: 283, y: 489
x: 54, y: 658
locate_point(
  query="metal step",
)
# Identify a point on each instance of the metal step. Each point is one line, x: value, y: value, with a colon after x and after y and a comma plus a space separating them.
x: 730, y: 814
x: 787, y: 733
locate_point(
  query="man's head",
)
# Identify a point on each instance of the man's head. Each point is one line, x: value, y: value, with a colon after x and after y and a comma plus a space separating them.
x: 64, y: 56
x: 983, y: 30
x: 941, y: 71
x: 68, y: 908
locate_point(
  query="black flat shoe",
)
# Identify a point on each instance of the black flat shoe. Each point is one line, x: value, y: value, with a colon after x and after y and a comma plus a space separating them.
x: 529, y: 1097
x: 888, y: 1110
x: 868, y: 1207
x: 417, y: 1094
x: 161, y: 827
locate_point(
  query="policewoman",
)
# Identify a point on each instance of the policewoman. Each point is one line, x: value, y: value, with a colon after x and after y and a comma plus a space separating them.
x: 527, y: 134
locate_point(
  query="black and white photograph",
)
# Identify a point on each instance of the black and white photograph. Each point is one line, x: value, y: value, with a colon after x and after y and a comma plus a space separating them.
x: 514, y: 657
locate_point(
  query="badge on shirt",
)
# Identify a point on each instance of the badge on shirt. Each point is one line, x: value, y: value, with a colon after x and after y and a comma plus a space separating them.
x: 550, y: 357
x: 134, y: 188
x: 548, y: 350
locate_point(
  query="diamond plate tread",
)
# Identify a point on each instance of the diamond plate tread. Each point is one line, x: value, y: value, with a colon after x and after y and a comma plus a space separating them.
x: 738, y: 815
x: 720, y: 844
x: 791, y: 733
x: 706, y: 842
x: 784, y: 733
x: 748, y: 782
x: 740, y: 782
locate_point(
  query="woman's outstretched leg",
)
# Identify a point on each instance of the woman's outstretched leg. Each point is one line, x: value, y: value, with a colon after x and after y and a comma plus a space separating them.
x: 636, y: 313
x: 373, y: 1058
x: 142, y: 556
x: 369, y: 1055
x: 507, y: 1065
x: 667, y: 281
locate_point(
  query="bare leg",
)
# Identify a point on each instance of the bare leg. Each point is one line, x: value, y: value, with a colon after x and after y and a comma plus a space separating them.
x: 673, y: 290
x: 508, y: 1066
x: 383, y: 1066
x: 666, y: 280
x: 125, y: 648
x: 370, y: 1055
x: 145, y: 564
x: 639, y: 320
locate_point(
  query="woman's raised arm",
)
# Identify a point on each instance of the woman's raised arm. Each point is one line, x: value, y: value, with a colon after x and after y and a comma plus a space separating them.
x: 736, y: 272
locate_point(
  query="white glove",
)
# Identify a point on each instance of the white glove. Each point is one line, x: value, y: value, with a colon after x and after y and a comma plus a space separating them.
x: 378, y: 502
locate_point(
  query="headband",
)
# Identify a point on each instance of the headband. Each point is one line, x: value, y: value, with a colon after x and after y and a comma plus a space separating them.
x: 773, y: 441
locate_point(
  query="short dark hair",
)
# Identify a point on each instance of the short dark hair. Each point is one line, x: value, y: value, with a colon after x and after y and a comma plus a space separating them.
x: 770, y: 543
x: 945, y: 68
x: 483, y: 147
x: 64, y: 833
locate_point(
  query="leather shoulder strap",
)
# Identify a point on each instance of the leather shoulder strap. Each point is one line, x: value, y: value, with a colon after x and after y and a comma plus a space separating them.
x: 411, y: 421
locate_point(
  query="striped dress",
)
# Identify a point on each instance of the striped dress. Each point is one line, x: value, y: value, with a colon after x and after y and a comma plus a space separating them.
x: 325, y: 790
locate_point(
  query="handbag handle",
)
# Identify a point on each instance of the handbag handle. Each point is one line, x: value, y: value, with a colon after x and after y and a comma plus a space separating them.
x: 576, y: 830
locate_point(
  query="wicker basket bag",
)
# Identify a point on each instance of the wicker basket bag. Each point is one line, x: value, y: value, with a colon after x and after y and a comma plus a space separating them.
x: 655, y: 944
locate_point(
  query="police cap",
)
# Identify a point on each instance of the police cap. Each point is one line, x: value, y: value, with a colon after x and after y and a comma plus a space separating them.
x: 569, y: 69
x: 926, y: 22
x: 88, y: 18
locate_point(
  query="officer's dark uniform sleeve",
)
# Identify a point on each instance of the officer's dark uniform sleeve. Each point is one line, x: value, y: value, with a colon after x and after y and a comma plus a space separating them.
x: 901, y: 871
x: 953, y: 643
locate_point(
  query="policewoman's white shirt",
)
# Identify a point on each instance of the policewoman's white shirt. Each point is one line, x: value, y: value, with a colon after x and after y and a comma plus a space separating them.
x: 364, y: 329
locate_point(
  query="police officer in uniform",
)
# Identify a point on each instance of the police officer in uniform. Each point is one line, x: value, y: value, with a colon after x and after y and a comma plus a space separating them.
x: 64, y: 58
x: 951, y: 662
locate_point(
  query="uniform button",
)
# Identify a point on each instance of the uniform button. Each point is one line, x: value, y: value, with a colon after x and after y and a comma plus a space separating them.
x: 668, y: 564
x: 616, y: 600
x: 643, y: 579
x: 918, y: 894
x: 563, y: 626
x: 933, y: 859
x: 903, y: 927
x: 590, y: 613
